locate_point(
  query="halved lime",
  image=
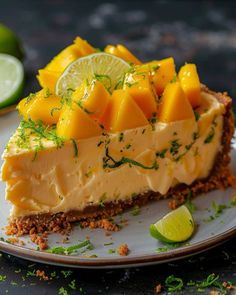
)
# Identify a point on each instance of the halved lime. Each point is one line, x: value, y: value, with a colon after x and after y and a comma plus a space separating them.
x: 176, y: 226
x: 108, y: 68
x: 10, y: 43
x: 11, y: 79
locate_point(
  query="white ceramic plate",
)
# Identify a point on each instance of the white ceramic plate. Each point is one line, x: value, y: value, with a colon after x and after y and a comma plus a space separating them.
x: 135, y: 234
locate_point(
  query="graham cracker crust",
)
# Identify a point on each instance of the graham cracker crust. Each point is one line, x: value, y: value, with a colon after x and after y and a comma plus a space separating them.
x: 95, y: 216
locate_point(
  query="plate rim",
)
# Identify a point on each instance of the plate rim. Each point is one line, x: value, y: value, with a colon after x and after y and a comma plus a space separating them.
x: 118, y: 262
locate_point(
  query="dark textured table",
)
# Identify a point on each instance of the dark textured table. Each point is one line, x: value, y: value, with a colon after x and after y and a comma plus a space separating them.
x: 203, y: 32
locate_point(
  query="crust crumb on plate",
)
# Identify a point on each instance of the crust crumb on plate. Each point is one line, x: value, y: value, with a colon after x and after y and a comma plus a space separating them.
x: 123, y: 250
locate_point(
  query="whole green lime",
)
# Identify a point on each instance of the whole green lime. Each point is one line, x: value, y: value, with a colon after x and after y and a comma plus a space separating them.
x: 9, y: 43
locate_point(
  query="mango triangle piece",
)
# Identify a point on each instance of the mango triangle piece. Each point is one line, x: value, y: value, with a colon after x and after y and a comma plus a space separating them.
x: 44, y: 106
x: 122, y: 52
x: 94, y: 98
x: 190, y: 83
x: 175, y: 105
x: 125, y: 113
x: 48, y: 79
x: 162, y: 72
x: 141, y: 90
x: 64, y: 58
x: 84, y: 47
x: 76, y: 123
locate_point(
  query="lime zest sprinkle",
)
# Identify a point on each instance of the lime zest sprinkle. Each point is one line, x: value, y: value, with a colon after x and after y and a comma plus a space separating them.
x: 173, y: 283
x: 75, y: 147
x: 124, y: 160
x: 85, y: 245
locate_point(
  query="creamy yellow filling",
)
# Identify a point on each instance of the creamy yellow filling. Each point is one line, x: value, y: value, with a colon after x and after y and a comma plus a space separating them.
x: 112, y: 167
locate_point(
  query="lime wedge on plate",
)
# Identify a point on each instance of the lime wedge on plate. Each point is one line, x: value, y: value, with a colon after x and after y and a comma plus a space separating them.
x: 176, y: 226
x: 9, y: 43
x: 108, y: 68
x: 11, y: 79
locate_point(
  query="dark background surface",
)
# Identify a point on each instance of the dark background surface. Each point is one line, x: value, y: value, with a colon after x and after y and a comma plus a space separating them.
x: 203, y: 32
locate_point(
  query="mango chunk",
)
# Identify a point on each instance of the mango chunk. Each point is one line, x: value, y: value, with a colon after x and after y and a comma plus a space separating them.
x: 140, y: 88
x: 48, y: 79
x: 175, y: 105
x: 43, y: 106
x: 190, y: 83
x: 162, y: 72
x: 122, y: 52
x: 93, y: 98
x: 64, y: 58
x: 23, y: 106
x: 48, y: 76
x: 76, y: 123
x: 125, y: 113
x: 84, y: 47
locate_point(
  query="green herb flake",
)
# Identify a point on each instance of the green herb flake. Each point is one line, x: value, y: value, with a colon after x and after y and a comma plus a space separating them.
x: 210, y: 136
x: 108, y: 244
x: 85, y: 245
x: 72, y: 285
x: 190, y: 205
x: 174, y: 147
x: 102, y: 200
x: 62, y: 291
x: 174, y: 284
x: 110, y: 162
x: 121, y: 137
x: 105, y: 80
x: 47, y: 93
x: 136, y: 210
x: 66, y: 273
x: 197, y: 115
x: 162, y: 153
x: 111, y: 251
x: 30, y: 97
x: 75, y: 147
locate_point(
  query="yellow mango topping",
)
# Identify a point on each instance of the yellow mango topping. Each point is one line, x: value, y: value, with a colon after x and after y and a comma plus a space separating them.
x: 48, y: 76
x: 162, y: 72
x: 190, y: 83
x: 122, y: 52
x: 43, y: 106
x: 140, y: 88
x: 84, y: 47
x: 93, y: 98
x: 64, y: 58
x: 124, y: 112
x: 57, y: 66
x: 76, y: 123
x: 175, y: 105
x: 48, y: 79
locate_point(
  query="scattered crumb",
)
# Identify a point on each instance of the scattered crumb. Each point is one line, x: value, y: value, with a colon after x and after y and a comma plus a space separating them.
x: 158, y: 288
x: 123, y: 250
x: 15, y: 241
x: 102, y: 223
x: 228, y: 285
x: 40, y: 240
x: 172, y: 204
x: 41, y: 274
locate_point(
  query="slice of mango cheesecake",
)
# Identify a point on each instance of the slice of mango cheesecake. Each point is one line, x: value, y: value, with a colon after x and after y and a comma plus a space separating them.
x: 107, y: 132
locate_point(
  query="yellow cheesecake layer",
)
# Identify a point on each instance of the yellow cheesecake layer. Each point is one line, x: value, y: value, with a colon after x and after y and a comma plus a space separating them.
x: 111, y: 167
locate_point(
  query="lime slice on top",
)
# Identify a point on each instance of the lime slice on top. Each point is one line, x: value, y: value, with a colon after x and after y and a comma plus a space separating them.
x: 11, y: 79
x: 10, y: 43
x: 176, y: 226
x: 107, y: 68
